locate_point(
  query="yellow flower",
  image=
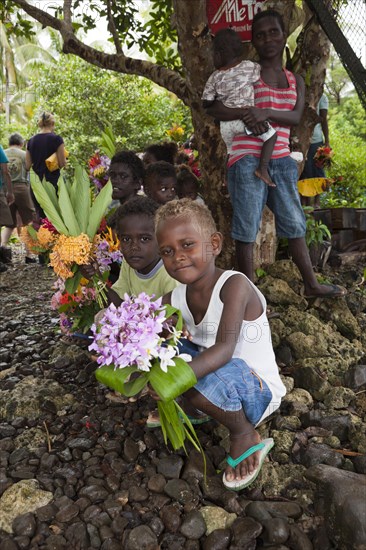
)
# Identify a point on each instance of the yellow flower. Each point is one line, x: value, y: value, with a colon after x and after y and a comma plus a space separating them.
x: 73, y: 249
x: 31, y: 244
x: 60, y: 268
x: 112, y: 240
x: 45, y: 237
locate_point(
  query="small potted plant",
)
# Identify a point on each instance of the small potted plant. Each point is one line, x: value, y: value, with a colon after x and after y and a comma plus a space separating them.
x: 317, y: 238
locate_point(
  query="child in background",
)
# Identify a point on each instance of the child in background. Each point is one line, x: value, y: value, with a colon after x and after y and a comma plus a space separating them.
x: 238, y: 380
x: 156, y: 152
x: 142, y: 269
x: 232, y: 84
x: 187, y: 184
x: 126, y: 173
x: 160, y: 182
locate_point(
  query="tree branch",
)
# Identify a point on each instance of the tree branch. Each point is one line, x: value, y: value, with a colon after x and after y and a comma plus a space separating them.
x: 43, y: 17
x: 67, y: 14
x: 112, y: 29
x: 119, y: 63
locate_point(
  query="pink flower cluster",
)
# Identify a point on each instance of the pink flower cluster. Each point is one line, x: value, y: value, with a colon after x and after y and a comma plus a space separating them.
x: 130, y: 335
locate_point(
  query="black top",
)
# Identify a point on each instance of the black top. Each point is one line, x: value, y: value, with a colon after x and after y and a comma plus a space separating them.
x: 40, y: 147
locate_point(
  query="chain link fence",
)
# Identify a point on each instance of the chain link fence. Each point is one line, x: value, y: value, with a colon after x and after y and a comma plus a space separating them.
x: 351, y: 18
x: 344, y: 22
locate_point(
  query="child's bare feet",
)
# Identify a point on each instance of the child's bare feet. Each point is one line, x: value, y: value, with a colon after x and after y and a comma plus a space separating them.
x: 262, y: 173
x: 240, y: 444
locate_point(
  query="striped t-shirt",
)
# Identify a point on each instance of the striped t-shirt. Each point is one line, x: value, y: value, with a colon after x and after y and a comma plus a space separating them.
x: 278, y: 99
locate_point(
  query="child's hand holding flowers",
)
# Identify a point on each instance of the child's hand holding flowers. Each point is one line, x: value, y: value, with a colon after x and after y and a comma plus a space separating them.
x: 128, y: 340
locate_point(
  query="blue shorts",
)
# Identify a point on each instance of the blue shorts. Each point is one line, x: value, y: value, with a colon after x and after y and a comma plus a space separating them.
x: 249, y: 195
x: 233, y: 387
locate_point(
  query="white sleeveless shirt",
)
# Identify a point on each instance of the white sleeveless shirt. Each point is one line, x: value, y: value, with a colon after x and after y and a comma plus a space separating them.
x: 254, y: 343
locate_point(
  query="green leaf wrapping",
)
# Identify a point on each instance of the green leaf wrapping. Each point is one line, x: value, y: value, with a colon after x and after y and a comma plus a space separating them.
x: 171, y: 384
x: 171, y: 425
x: 67, y: 210
x: 100, y: 205
x: 45, y: 193
x: 116, y: 379
x: 80, y: 197
x: 72, y: 283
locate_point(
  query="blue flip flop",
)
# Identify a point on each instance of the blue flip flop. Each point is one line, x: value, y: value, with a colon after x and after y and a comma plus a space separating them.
x: 238, y: 484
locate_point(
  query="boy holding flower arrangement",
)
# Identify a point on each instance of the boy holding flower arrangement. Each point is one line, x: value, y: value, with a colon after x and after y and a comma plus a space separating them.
x: 142, y: 269
x: 230, y: 341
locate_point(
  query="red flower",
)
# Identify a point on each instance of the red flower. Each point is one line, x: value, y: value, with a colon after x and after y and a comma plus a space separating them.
x: 48, y: 225
x: 103, y: 226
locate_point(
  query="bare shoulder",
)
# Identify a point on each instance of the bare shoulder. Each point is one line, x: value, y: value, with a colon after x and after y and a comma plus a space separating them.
x: 235, y: 288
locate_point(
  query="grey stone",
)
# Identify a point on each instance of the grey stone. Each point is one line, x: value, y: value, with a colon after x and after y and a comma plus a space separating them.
x: 170, y: 467
x: 298, y: 540
x: 131, y: 450
x: 137, y: 494
x: 179, y: 490
x: 26, y: 399
x: 194, y: 466
x: 279, y: 292
x: 142, y: 538
x: 355, y: 377
x: 276, y: 531
x: 217, y: 540
x: 24, y: 525
x: 343, y: 497
x: 312, y: 379
x: 216, y: 518
x: 193, y: 526
x: 22, y: 497
x: 77, y: 535
x: 245, y: 530
x: 171, y: 518
x: 156, y: 483
x: 321, y: 454
x: 258, y: 510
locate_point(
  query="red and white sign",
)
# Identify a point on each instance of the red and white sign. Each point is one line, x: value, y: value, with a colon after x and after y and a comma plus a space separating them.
x: 237, y: 14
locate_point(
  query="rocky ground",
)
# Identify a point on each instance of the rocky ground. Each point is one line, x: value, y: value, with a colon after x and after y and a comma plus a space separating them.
x: 79, y: 469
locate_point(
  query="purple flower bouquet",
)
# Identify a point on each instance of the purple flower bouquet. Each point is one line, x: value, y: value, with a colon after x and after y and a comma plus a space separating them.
x: 128, y: 341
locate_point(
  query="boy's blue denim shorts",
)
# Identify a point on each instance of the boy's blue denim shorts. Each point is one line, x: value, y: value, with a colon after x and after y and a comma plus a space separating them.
x: 249, y: 195
x: 233, y: 386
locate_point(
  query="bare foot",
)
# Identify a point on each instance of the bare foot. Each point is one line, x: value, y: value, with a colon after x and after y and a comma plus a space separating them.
x: 240, y: 444
x: 325, y: 291
x: 262, y: 173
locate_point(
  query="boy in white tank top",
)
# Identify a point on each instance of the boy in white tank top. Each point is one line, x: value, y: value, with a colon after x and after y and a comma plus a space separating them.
x: 233, y: 359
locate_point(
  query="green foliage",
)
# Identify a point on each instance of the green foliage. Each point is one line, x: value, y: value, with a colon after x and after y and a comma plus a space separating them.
x: 316, y: 231
x: 85, y: 98
x: 347, y: 134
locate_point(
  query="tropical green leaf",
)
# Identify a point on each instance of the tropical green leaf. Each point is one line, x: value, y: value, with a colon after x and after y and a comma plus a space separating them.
x: 67, y: 210
x: 80, y: 197
x: 171, y: 384
x: 108, y: 141
x: 116, y: 379
x: 171, y: 425
x: 44, y: 198
x: 98, y: 209
x: 72, y: 283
